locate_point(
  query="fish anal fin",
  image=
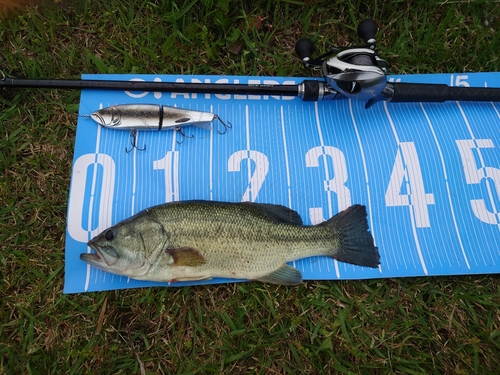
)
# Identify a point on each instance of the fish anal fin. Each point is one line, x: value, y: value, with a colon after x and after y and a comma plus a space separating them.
x: 186, y: 256
x: 285, y: 275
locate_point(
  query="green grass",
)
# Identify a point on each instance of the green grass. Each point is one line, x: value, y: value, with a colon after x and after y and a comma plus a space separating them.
x: 445, y: 325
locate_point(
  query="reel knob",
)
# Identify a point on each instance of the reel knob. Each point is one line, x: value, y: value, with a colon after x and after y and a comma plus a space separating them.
x: 367, y: 29
x: 304, y: 49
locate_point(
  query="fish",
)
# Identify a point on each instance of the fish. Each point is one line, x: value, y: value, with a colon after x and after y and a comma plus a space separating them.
x: 201, y: 240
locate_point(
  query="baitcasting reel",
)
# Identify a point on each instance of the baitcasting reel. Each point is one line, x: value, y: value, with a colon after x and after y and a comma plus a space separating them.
x: 353, y: 72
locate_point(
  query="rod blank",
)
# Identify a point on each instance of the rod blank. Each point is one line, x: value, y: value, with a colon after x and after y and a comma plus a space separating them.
x: 180, y: 87
x: 308, y: 90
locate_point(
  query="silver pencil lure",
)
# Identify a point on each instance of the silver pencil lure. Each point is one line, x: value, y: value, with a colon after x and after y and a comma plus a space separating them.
x: 134, y: 117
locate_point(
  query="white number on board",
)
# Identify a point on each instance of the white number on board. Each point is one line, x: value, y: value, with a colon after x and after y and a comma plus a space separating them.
x: 170, y: 164
x: 77, y: 198
x: 407, y: 175
x: 462, y: 81
x: 255, y: 179
x: 335, y: 184
x: 475, y: 175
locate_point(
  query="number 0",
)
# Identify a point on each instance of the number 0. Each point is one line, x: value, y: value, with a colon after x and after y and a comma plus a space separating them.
x: 78, y: 189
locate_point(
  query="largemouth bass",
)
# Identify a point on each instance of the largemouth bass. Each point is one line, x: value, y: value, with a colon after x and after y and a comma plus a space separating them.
x: 197, y: 240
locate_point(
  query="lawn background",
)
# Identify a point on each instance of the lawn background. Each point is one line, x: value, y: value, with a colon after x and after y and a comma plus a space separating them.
x: 440, y: 325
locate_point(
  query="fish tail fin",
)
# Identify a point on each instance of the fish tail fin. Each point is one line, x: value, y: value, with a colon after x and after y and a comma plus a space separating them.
x: 356, y: 244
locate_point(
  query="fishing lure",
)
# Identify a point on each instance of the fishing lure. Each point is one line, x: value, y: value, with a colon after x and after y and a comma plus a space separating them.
x: 134, y: 117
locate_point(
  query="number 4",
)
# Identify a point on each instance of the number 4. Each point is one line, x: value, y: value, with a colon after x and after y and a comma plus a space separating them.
x: 407, y: 174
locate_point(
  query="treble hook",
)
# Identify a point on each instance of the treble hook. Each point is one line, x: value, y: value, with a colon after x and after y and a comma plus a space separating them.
x: 133, y: 140
x: 226, y: 126
x: 184, y: 136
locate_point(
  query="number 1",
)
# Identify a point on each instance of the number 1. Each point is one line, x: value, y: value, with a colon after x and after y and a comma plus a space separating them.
x: 170, y: 164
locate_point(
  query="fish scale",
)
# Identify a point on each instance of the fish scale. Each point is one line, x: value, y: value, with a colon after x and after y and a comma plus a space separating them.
x: 234, y: 232
x: 196, y: 240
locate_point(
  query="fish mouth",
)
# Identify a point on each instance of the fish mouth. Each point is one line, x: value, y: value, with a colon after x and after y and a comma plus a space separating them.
x: 104, y: 256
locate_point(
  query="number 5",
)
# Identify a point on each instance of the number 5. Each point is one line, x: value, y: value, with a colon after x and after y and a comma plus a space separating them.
x: 474, y: 175
x: 462, y: 81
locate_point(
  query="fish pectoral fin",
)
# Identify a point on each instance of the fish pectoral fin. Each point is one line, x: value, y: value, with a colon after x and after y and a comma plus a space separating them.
x: 186, y: 256
x: 285, y: 275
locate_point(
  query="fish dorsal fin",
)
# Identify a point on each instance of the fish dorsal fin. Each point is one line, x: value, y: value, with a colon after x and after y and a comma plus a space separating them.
x: 186, y: 256
x: 278, y: 213
x: 285, y: 275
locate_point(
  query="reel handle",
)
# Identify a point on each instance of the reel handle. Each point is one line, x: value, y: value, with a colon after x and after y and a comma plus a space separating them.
x: 304, y: 48
x: 367, y: 29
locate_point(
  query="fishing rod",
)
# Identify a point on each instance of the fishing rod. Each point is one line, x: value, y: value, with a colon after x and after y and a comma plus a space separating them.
x: 355, y: 72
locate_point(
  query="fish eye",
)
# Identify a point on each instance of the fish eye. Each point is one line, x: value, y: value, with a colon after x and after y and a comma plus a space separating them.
x: 109, y: 235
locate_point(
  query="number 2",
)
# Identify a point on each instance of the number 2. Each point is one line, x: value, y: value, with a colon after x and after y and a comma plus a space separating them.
x: 255, y: 180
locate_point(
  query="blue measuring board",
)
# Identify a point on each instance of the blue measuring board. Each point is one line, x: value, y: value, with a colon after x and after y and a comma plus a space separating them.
x: 429, y: 173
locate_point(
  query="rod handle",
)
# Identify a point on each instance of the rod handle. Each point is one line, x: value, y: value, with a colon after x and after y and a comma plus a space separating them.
x: 421, y: 92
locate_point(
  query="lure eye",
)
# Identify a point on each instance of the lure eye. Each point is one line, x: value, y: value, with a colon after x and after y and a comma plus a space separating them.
x: 109, y: 235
